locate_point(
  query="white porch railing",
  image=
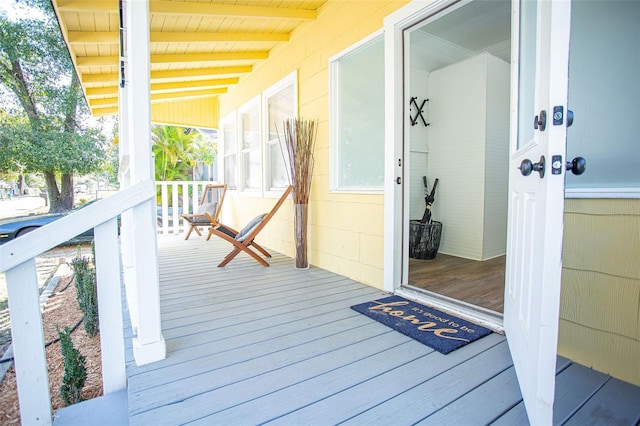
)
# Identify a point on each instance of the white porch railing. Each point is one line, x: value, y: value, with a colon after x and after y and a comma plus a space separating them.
x: 17, y: 259
x: 177, y: 197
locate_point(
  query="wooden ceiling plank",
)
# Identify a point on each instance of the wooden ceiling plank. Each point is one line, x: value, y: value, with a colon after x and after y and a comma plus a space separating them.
x: 194, y: 84
x: 229, y: 10
x: 206, y: 37
x: 103, y: 102
x: 165, y: 7
x: 93, y: 92
x: 209, y: 57
x: 96, y: 37
x: 100, y: 78
x: 200, y: 72
x: 110, y: 6
x: 103, y: 61
x: 112, y: 78
x: 187, y: 94
x: 96, y: 61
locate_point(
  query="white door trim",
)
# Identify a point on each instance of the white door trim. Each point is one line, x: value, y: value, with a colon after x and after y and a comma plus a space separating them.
x: 394, y: 233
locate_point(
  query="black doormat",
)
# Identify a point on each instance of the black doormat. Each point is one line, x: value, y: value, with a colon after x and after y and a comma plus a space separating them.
x: 441, y: 331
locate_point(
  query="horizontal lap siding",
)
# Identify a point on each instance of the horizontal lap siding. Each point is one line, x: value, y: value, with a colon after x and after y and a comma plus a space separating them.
x: 600, y: 304
x: 195, y: 113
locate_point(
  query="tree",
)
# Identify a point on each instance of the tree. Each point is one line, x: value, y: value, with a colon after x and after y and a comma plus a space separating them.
x: 42, y: 126
x: 177, y: 150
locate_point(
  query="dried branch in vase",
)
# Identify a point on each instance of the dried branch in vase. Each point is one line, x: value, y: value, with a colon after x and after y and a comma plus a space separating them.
x: 300, y: 137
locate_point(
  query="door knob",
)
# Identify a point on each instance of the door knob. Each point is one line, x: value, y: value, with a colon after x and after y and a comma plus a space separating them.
x: 577, y: 166
x: 526, y: 167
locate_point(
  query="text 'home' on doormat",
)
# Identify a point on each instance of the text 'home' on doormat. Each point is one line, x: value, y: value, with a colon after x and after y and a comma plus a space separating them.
x: 441, y: 331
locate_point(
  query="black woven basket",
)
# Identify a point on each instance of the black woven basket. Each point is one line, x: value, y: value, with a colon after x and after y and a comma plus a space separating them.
x: 424, y: 239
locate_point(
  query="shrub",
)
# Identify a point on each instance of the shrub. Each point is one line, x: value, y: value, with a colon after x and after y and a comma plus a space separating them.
x: 87, y: 293
x: 75, y: 372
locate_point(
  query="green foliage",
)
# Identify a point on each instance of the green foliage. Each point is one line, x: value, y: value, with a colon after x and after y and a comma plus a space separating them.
x: 177, y: 150
x: 87, y: 293
x: 43, y: 113
x: 24, y: 147
x: 112, y: 162
x: 75, y: 372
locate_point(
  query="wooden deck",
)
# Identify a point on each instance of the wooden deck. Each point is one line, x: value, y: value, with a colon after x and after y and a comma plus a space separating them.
x: 250, y: 345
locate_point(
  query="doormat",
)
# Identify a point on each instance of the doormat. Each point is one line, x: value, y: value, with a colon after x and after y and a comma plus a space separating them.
x: 441, y: 331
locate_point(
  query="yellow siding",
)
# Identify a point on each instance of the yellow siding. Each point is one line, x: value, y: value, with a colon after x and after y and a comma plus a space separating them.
x: 600, y: 305
x: 200, y: 112
x: 345, y: 233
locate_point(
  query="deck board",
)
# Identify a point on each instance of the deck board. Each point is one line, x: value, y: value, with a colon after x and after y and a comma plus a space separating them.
x: 250, y: 345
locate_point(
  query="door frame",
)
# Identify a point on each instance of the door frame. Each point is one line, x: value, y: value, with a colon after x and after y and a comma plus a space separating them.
x: 397, y: 167
x: 395, y: 109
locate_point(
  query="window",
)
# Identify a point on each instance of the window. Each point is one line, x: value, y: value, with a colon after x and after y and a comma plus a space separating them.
x: 357, y: 117
x: 229, y: 149
x: 279, y: 105
x: 251, y: 171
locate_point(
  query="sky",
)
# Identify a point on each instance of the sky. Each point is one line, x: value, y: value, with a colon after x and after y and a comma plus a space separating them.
x: 11, y: 8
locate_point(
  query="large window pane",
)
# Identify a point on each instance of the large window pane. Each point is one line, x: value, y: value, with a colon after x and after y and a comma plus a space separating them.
x: 280, y: 106
x: 604, y: 94
x: 251, y: 167
x: 229, y: 144
x: 358, y: 112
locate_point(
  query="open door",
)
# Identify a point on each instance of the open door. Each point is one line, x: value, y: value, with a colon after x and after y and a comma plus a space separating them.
x: 540, y: 36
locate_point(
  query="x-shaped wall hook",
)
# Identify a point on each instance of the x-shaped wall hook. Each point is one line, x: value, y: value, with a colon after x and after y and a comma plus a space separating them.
x: 414, y: 120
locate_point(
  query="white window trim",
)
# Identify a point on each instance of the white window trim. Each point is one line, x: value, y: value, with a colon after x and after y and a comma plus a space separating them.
x: 334, y: 119
x: 290, y: 79
x: 605, y: 193
x: 221, y: 169
x: 249, y: 192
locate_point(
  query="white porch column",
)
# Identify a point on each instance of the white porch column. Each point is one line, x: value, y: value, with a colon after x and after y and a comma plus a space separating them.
x: 148, y: 345
x: 126, y: 234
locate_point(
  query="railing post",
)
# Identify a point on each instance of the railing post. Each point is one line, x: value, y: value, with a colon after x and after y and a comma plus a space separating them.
x: 27, y: 339
x: 175, y: 203
x: 107, y: 262
x: 165, y: 206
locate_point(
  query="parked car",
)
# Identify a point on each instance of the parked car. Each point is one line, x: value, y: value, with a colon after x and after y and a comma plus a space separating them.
x: 15, y: 227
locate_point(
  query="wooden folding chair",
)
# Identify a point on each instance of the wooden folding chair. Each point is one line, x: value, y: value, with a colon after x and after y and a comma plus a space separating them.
x: 243, y: 240
x: 209, y: 209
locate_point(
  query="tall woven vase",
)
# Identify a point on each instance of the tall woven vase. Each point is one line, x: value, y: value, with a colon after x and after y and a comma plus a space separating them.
x: 299, y: 138
x: 300, y: 218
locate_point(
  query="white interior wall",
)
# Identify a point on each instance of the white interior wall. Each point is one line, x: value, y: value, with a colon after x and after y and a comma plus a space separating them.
x: 465, y: 145
x: 456, y: 154
x: 418, y: 149
x: 496, y: 185
x: 427, y: 53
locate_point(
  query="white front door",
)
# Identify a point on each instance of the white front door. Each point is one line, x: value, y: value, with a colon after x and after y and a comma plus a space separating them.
x: 540, y: 36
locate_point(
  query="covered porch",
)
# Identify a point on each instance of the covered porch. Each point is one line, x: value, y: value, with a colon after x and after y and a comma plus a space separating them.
x: 249, y: 345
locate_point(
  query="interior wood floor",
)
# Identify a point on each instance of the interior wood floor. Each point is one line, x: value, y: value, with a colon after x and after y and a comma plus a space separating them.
x: 480, y: 283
